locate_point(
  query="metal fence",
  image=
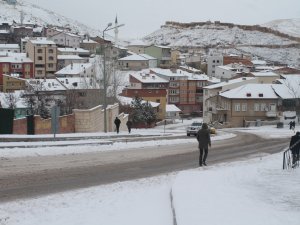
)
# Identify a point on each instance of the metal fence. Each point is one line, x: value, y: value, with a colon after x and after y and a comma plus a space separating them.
x: 288, y: 160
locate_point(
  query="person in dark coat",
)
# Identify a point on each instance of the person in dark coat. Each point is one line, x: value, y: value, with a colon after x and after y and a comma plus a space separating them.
x: 117, y: 123
x: 295, y: 147
x: 292, y: 125
x: 203, y: 137
x: 129, y: 125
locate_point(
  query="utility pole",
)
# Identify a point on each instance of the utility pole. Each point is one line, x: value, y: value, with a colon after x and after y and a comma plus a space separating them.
x: 108, y: 27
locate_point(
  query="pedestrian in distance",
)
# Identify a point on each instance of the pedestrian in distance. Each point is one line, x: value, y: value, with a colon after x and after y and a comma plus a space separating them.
x: 292, y: 125
x: 203, y: 137
x: 117, y: 123
x: 295, y: 148
x: 129, y: 125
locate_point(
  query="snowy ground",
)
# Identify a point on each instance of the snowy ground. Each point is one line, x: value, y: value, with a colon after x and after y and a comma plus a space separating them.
x: 247, y: 192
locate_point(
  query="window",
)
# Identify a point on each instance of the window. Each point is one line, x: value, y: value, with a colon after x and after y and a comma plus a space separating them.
x: 263, y: 107
x: 40, y: 50
x: 244, y: 107
x: 50, y: 65
x: 237, y: 107
x: 40, y: 58
x: 256, y: 107
x: 50, y: 51
x: 51, y: 58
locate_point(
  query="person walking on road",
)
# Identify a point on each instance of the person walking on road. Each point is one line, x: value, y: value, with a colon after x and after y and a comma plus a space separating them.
x: 295, y: 148
x: 203, y: 137
x: 129, y: 125
x: 117, y: 123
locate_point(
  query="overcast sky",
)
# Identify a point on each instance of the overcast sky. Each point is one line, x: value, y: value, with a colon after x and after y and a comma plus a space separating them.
x: 141, y: 17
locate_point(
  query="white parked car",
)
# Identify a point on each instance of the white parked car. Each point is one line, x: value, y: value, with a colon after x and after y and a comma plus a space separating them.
x: 193, y: 128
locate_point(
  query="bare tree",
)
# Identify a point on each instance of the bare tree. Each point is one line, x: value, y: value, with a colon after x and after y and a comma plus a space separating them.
x: 37, y: 99
x: 11, y: 100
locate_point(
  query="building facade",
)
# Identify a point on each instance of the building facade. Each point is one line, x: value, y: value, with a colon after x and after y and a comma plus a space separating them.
x: 43, y: 53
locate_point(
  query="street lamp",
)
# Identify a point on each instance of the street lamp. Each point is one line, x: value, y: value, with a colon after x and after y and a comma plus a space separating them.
x: 108, y: 27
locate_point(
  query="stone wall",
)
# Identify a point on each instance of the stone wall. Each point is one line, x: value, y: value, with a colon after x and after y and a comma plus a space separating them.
x: 81, y: 121
x: 43, y: 126
x: 92, y: 120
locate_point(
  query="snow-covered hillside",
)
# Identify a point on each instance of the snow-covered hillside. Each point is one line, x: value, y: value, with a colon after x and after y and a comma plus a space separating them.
x: 288, y: 26
x: 40, y: 16
x: 213, y: 35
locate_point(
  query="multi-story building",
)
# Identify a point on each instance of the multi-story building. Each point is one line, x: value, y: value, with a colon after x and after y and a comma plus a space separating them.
x: 74, y: 51
x: 66, y: 39
x: 137, y: 62
x: 12, y: 83
x: 10, y: 48
x: 230, y: 70
x: 65, y: 60
x: 17, y: 64
x: 250, y: 102
x: 161, y: 53
x: 43, y: 53
x: 212, y: 62
x: 149, y: 87
x: 185, y: 89
x: 90, y: 45
x: 137, y: 46
x: 211, y: 102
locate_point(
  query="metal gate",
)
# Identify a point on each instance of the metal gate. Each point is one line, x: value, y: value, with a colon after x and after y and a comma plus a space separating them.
x: 6, y: 121
x: 30, y: 124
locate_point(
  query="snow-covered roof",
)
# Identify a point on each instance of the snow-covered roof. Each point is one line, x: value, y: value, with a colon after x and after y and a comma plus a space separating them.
x: 128, y: 101
x: 75, y: 50
x: 134, y: 58
x: 12, y: 54
x: 259, y: 62
x: 74, y: 69
x: 77, y: 82
x: 292, y: 83
x: 268, y: 68
x: 161, y: 46
x: 190, y: 68
x: 73, y: 57
x: 184, y: 74
x: 251, y: 91
x: 145, y: 77
x: 265, y: 74
x: 4, y: 31
x: 10, y: 46
x: 283, y: 91
x: 89, y: 41
x: 172, y: 108
x: 137, y: 42
x: 16, y: 59
x: 42, y: 41
x: 46, y: 84
x: 229, y: 82
x: 147, y: 56
x: 137, y: 57
x: 169, y: 73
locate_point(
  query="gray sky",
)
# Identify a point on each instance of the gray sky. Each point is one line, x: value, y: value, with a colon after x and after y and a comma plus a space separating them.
x: 141, y: 17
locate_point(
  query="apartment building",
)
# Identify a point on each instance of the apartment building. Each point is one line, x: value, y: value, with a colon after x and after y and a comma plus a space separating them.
x: 212, y: 62
x: 185, y: 89
x: 149, y: 87
x: 43, y: 53
x: 16, y: 64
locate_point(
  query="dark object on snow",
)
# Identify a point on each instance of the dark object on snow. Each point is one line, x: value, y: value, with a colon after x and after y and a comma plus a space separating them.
x: 280, y: 125
x: 295, y: 148
x: 117, y: 123
x: 203, y: 137
x: 129, y: 125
